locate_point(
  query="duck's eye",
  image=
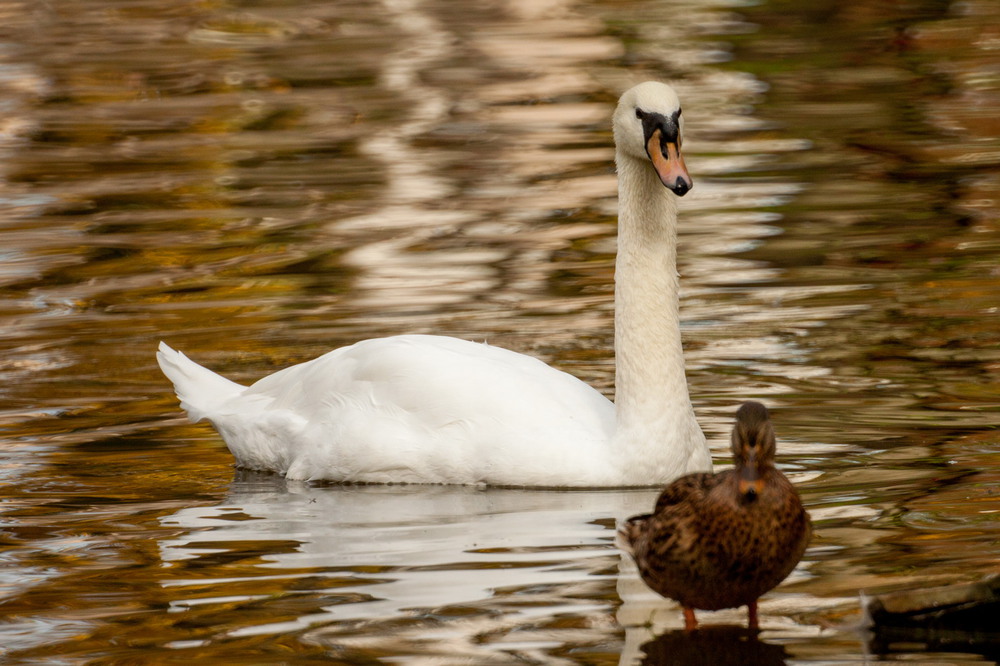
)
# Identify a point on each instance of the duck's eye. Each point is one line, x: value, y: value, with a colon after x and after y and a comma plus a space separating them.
x: 640, y: 114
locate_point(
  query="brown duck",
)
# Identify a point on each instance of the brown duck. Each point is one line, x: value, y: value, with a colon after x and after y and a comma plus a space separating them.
x: 722, y: 540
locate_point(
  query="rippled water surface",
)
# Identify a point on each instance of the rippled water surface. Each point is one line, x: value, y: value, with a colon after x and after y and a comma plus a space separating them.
x: 256, y: 183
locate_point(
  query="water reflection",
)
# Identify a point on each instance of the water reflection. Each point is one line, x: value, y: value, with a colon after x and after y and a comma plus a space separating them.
x: 389, y: 549
x: 970, y: 644
x: 717, y: 646
x: 259, y: 184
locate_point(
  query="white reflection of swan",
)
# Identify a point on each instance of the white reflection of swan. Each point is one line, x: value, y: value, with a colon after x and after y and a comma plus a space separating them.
x: 396, y: 554
x: 408, y: 547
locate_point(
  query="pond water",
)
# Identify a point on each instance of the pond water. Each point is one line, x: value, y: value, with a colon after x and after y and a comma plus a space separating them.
x: 256, y: 183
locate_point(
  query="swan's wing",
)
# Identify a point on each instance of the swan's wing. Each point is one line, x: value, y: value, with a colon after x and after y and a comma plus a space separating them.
x: 434, y: 409
x: 442, y: 379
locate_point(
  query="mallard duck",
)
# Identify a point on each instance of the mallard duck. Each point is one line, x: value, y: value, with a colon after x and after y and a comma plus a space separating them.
x: 437, y: 409
x: 722, y: 540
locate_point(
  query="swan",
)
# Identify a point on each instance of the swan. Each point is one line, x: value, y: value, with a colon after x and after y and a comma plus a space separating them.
x: 437, y: 409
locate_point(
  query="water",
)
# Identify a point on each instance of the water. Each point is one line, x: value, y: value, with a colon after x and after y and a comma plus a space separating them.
x: 258, y: 183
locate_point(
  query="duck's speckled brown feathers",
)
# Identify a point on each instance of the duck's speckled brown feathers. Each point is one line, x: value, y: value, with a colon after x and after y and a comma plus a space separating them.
x: 722, y: 540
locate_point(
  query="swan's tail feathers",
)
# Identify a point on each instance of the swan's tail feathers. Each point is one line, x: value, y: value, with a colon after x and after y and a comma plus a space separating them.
x: 199, y: 389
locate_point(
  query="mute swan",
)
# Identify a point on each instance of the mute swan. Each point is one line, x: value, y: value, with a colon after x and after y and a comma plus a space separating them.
x: 435, y: 409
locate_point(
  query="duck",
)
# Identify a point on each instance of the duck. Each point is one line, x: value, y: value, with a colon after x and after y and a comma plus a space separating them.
x: 722, y: 540
x: 443, y: 410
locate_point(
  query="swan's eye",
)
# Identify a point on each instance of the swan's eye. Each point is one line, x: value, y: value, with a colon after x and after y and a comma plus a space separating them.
x: 640, y: 114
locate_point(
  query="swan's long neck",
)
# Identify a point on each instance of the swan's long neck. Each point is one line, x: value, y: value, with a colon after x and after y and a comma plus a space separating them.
x: 653, y: 408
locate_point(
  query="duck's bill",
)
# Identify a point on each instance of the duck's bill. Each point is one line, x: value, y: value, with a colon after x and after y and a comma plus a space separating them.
x: 751, y: 488
x: 750, y: 484
x: 669, y: 164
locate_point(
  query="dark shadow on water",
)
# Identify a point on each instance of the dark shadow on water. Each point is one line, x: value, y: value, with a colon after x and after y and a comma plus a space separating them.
x: 904, y: 640
x: 718, y: 646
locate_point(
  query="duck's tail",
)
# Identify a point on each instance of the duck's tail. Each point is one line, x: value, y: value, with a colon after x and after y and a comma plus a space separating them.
x: 199, y: 389
x: 629, y: 531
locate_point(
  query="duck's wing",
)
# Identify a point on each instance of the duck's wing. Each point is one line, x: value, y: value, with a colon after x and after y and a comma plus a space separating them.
x: 688, y: 489
x: 684, y: 494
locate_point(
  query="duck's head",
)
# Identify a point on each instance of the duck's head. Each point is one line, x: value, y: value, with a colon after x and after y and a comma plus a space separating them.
x: 648, y: 126
x: 753, y: 448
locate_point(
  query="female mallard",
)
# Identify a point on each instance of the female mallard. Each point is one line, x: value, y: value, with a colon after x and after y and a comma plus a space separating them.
x: 722, y: 540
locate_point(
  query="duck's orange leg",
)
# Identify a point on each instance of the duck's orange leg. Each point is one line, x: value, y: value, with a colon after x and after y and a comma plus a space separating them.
x: 690, y: 621
x: 752, y: 616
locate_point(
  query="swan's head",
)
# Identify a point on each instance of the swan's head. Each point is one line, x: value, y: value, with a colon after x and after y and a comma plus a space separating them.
x: 648, y: 126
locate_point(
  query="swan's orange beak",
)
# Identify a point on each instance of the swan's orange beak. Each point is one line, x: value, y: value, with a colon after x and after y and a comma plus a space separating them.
x: 669, y: 164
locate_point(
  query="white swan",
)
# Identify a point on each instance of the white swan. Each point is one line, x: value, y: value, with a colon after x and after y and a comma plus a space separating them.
x: 434, y: 409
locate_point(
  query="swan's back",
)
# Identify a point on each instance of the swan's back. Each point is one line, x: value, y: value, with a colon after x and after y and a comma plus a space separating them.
x: 423, y: 409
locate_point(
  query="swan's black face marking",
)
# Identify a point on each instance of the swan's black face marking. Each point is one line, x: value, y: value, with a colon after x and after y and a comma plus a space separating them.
x: 663, y: 143
x: 669, y: 127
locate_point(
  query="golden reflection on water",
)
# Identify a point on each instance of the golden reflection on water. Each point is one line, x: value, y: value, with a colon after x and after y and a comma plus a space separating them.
x: 258, y: 185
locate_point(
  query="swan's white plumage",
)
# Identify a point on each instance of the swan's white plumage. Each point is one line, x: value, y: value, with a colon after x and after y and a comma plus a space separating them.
x: 434, y: 409
x: 421, y: 409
